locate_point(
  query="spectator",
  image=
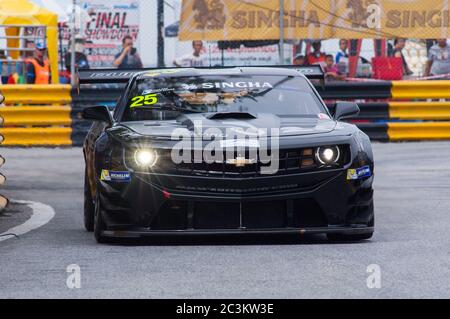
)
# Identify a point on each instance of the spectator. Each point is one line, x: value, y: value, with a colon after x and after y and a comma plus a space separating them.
x: 331, y: 69
x: 438, y: 59
x: 29, y: 44
x: 342, y: 59
x: 81, y: 60
x: 3, y: 68
x: 396, y: 51
x: 128, y: 58
x: 191, y: 60
x: 316, y: 57
x: 300, y: 60
x: 38, y: 67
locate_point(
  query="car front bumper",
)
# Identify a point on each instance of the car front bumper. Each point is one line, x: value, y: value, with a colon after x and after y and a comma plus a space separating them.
x: 316, y: 202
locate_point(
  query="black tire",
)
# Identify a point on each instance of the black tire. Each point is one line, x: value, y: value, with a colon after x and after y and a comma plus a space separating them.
x: 349, y: 237
x: 99, y: 224
x: 353, y: 237
x: 89, y: 207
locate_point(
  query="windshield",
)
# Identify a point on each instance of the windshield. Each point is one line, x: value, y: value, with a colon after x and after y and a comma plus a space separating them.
x: 168, y: 98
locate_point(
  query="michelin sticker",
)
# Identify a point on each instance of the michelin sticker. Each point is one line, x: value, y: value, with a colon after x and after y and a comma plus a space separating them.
x: 110, y: 176
x: 359, y: 173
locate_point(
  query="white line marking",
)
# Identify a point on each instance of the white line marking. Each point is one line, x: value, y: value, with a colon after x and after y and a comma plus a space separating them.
x: 42, y: 214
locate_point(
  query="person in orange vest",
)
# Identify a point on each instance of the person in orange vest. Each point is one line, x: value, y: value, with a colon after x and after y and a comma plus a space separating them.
x: 38, y: 67
x: 317, y: 56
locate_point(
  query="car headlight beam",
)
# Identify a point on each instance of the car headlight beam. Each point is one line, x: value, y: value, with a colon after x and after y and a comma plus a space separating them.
x: 328, y: 155
x: 146, y: 158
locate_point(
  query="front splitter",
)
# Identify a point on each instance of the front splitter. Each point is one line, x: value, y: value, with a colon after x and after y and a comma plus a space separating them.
x: 222, y: 232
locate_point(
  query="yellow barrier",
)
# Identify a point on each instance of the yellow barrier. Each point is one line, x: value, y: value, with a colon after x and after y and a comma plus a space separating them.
x: 419, y: 131
x: 420, y: 90
x: 36, y: 94
x: 26, y: 109
x: 35, y: 115
x: 50, y: 136
x: 419, y: 110
x: 3, y: 200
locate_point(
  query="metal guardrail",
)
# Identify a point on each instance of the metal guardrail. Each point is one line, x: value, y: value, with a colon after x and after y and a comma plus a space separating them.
x: 405, y: 90
x: 419, y: 110
x: 37, y: 94
x: 3, y: 200
x: 36, y: 115
x: 407, y: 110
x: 419, y: 131
x: 356, y: 90
x: 37, y: 136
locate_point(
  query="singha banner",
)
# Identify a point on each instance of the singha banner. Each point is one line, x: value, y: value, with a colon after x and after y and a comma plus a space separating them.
x: 229, y: 20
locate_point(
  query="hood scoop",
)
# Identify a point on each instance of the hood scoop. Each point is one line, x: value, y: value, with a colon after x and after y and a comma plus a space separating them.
x: 232, y: 115
x: 213, y: 120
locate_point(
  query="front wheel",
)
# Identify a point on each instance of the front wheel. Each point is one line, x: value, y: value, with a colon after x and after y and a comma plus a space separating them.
x: 99, y: 224
x: 89, y: 207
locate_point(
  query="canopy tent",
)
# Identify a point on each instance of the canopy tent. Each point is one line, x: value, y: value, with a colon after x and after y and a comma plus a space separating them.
x: 23, y: 13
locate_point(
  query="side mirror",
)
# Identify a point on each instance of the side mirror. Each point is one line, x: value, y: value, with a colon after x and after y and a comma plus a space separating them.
x: 2, y: 99
x: 98, y: 113
x: 345, y: 110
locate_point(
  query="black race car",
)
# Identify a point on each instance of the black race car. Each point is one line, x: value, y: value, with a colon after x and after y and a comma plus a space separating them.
x: 243, y: 150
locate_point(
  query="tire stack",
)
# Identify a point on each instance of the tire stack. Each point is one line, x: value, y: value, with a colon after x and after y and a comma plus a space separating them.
x: 3, y: 200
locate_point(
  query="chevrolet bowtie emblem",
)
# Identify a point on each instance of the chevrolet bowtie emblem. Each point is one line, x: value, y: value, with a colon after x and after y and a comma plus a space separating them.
x: 240, y: 161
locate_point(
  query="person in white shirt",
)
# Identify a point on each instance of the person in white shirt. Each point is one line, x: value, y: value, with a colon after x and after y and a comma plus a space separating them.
x: 342, y: 59
x: 191, y: 60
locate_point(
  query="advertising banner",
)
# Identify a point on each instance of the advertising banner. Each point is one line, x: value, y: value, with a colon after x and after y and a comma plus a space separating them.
x: 103, y: 26
x: 320, y: 19
x: 111, y: 21
x: 263, y: 55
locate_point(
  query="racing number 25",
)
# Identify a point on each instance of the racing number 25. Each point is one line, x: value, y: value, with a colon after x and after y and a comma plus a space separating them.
x: 141, y: 100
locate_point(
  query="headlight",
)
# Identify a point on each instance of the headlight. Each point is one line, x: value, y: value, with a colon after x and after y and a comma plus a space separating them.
x: 328, y: 155
x: 146, y: 158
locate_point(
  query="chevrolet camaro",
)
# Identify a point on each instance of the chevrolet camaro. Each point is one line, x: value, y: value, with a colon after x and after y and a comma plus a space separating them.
x: 242, y: 150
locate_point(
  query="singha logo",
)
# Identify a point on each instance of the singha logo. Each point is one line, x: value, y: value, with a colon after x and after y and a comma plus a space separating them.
x: 359, y: 14
x: 209, y: 14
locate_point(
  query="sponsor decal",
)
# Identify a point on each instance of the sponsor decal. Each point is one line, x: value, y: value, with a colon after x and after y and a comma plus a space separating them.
x: 237, y: 85
x: 240, y: 143
x: 153, y: 91
x: 111, y: 176
x: 189, y: 87
x: 359, y: 173
x: 227, y: 85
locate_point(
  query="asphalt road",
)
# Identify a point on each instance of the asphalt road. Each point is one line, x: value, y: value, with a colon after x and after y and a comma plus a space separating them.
x: 411, y: 244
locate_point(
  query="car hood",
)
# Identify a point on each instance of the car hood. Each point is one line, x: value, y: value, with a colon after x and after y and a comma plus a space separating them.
x: 199, y: 125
